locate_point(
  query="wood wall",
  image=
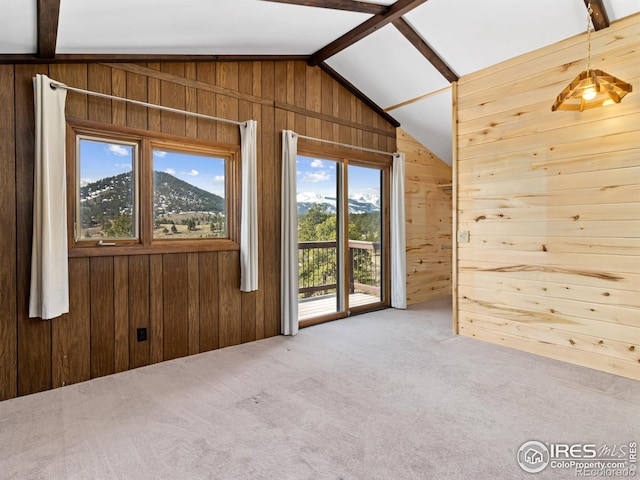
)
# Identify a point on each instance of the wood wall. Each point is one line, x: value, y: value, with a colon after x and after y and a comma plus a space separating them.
x: 190, y: 302
x: 428, y: 218
x: 552, y: 203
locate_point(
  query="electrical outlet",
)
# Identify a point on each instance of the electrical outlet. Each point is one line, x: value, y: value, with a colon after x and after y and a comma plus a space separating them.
x: 142, y: 334
x: 463, y: 236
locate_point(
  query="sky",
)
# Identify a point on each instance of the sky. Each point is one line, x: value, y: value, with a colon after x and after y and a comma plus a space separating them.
x: 206, y: 173
x: 319, y: 176
x: 102, y: 159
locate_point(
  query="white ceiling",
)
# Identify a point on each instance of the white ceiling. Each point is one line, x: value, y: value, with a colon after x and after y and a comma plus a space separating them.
x: 467, y: 34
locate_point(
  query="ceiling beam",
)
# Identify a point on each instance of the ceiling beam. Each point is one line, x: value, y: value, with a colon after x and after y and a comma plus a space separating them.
x: 347, y: 5
x: 143, y: 58
x: 48, y: 14
x: 358, y: 93
x: 376, y: 22
x: 417, y: 99
x: 423, y: 47
x: 599, y: 16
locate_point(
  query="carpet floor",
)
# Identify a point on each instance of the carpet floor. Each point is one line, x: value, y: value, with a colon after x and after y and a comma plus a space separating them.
x: 387, y: 395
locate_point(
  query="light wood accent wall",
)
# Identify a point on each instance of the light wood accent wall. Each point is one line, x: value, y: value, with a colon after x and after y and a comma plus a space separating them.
x: 428, y: 217
x: 552, y: 204
x: 190, y: 302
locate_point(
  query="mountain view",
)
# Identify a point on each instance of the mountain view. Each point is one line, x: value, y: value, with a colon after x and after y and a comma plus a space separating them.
x: 112, y: 195
x: 173, y: 195
x: 179, y: 208
x: 182, y: 209
x: 358, y: 203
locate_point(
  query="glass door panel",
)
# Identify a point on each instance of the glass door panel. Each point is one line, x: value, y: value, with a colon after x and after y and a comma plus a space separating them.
x: 319, y: 238
x: 365, y: 256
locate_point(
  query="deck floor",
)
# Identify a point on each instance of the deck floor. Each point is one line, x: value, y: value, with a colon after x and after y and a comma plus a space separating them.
x: 326, y: 304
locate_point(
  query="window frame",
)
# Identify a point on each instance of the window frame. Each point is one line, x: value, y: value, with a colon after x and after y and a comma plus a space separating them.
x: 147, y: 141
x: 135, y: 182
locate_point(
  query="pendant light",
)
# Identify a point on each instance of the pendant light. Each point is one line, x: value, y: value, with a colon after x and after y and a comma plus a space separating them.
x: 592, y: 88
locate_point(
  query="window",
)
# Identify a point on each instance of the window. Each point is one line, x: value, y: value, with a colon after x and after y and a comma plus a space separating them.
x: 108, y: 205
x: 139, y: 191
x: 188, y: 195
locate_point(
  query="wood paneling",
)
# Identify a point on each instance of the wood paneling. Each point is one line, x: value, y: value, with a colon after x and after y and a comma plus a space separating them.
x: 34, y: 335
x: 175, y: 307
x: 189, y: 302
x: 193, y: 303
x: 102, y: 316
x: 71, y: 333
x: 552, y: 202
x: 8, y: 291
x: 428, y: 221
x: 121, y: 313
x: 156, y: 310
x: 230, y: 300
x: 139, y: 300
x: 209, y: 301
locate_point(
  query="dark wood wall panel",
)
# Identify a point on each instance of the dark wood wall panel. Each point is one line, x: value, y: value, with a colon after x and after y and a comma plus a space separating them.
x: 193, y: 303
x: 156, y: 312
x: 191, y: 101
x: 102, y: 316
x: 175, y: 309
x: 121, y: 313
x: 71, y: 333
x: 8, y: 291
x: 99, y: 80
x: 187, y: 302
x: 139, y: 301
x: 230, y: 299
x: 119, y: 89
x: 76, y: 76
x: 136, y: 89
x: 174, y: 96
x: 153, y: 96
x: 209, y: 301
x: 34, y: 335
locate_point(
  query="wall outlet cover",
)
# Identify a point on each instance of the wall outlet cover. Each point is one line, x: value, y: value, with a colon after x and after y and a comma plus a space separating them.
x: 463, y: 236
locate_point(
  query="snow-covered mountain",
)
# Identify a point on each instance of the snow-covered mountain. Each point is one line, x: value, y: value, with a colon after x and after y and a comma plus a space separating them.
x: 358, y: 202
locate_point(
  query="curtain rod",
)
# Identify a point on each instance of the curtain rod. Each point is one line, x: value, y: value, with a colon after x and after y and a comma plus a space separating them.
x: 343, y: 145
x: 144, y: 104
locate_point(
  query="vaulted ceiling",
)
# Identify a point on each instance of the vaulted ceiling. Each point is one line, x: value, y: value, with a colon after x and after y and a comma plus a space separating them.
x: 399, y: 55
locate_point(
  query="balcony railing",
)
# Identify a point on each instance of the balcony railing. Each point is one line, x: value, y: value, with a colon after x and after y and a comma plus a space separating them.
x: 318, y: 264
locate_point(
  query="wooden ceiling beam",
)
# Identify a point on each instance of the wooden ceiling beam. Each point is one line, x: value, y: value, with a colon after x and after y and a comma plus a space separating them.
x: 396, y: 10
x: 347, y: 5
x: 599, y: 16
x: 358, y: 93
x: 133, y: 58
x: 423, y: 47
x: 48, y: 15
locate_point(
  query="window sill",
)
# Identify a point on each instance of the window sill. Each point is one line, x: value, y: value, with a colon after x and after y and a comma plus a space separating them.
x: 155, y: 249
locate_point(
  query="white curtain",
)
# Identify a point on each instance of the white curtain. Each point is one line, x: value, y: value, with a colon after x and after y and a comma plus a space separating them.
x: 49, y: 293
x: 398, y: 241
x: 249, y: 209
x: 289, y: 247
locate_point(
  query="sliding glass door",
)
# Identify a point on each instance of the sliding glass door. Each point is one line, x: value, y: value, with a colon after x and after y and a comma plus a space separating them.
x: 365, y: 230
x: 320, y: 235
x: 341, y: 238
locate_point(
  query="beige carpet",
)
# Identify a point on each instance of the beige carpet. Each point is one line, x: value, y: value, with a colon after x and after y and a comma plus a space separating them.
x: 390, y: 395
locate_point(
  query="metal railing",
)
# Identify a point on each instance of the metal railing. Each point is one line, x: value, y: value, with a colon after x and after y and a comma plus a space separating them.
x: 318, y: 267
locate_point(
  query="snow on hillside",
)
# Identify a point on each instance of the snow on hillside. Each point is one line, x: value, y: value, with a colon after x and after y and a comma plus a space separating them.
x: 358, y: 202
